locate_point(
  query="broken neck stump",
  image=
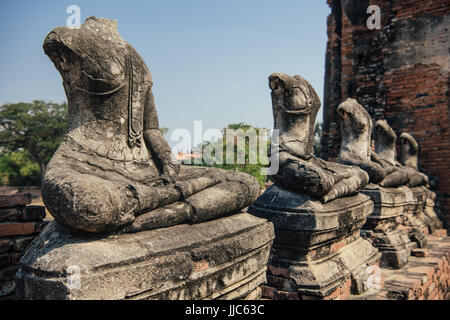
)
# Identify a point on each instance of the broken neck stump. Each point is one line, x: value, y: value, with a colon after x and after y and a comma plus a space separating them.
x: 126, y: 214
x: 315, y: 206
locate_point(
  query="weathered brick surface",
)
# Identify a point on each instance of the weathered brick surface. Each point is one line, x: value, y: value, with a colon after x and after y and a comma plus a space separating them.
x: 12, y: 200
x: 22, y: 213
x: 399, y: 73
x: 18, y: 227
x: 423, y: 278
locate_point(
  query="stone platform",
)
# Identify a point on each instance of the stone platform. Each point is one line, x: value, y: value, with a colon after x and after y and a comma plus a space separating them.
x: 384, y: 225
x: 401, y: 220
x: 317, y: 247
x: 221, y: 259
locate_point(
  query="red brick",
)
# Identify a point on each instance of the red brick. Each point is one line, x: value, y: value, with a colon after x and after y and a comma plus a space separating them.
x: 285, y: 295
x: 268, y: 292
x: 13, y: 200
x: 420, y: 253
x: 277, y: 271
x: 440, y: 233
x: 17, y: 228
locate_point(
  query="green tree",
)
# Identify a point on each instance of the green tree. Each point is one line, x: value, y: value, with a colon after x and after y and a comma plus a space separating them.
x: 245, y: 157
x: 18, y: 169
x: 36, y: 128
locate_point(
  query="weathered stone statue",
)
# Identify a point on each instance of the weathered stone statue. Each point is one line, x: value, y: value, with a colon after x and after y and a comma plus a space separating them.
x: 314, y: 205
x: 295, y: 107
x: 385, y: 149
x: 409, y: 151
x: 409, y: 157
x: 394, y: 226
x: 114, y: 169
x: 131, y: 223
x: 356, y: 147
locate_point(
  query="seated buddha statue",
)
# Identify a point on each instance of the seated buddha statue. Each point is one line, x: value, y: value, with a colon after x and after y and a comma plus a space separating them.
x: 356, y: 147
x: 114, y: 171
x: 295, y: 106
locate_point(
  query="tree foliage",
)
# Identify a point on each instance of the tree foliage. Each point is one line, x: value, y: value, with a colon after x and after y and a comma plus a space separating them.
x: 238, y: 147
x: 36, y: 128
x: 19, y: 169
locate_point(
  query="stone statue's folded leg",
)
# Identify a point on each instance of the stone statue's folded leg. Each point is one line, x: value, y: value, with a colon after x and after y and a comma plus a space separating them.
x: 395, y: 179
x: 167, y: 216
x: 223, y: 199
x: 87, y: 203
x: 416, y: 178
x: 356, y: 181
x: 375, y: 171
x: 236, y: 192
x: 304, y: 177
x: 90, y: 203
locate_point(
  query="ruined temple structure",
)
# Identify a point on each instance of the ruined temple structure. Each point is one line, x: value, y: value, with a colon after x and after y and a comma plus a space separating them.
x: 399, y: 73
x: 130, y: 223
x: 315, y: 206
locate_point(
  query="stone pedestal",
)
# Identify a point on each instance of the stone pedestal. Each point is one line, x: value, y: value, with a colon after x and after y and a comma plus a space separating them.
x: 385, y: 226
x: 221, y: 259
x: 317, y: 248
x: 416, y: 219
x: 430, y: 215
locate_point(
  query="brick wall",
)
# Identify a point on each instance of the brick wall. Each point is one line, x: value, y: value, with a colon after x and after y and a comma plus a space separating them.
x: 19, y: 224
x: 399, y: 73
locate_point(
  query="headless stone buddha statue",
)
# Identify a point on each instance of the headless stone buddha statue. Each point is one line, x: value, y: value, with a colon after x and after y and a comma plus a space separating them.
x: 295, y: 106
x: 356, y: 147
x: 386, y: 151
x: 316, y: 206
x: 114, y: 170
x: 409, y: 157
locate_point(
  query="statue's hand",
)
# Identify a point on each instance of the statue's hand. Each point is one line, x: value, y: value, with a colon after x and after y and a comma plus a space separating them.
x: 170, y: 172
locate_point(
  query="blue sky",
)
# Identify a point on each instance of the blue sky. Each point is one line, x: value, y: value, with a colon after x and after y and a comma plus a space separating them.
x: 210, y: 59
